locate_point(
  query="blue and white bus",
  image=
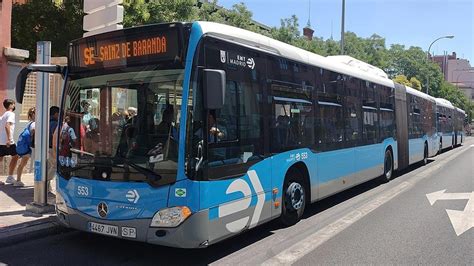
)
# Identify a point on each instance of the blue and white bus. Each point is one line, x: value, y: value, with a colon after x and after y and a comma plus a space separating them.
x: 185, y: 134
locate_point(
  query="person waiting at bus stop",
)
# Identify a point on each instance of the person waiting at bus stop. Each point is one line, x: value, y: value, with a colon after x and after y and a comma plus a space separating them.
x: 7, y: 144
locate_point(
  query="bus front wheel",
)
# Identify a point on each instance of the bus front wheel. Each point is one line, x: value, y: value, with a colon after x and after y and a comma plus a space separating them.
x: 294, y: 198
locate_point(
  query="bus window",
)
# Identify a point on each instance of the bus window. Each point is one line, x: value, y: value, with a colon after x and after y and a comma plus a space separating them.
x: 370, y: 121
x: 387, y: 113
x: 330, y: 114
x: 292, y: 125
x: 352, y: 111
x: 232, y: 135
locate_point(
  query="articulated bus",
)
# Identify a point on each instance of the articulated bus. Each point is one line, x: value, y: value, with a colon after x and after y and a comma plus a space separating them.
x: 185, y: 134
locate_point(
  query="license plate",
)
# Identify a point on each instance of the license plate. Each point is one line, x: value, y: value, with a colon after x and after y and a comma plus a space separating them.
x: 104, y: 229
x: 129, y: 232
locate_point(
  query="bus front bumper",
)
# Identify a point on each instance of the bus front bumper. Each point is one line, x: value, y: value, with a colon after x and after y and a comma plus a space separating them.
x: 192, y: 233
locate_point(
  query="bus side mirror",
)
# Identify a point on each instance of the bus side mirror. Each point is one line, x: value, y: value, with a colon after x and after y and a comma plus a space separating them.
x: 23, y: 76
x: 214, y: 88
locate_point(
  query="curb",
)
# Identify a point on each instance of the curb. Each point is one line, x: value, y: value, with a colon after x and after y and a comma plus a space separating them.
x: 30, y: 230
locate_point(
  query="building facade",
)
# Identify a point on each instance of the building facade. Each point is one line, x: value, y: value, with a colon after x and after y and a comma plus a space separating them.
x: 457, y: 71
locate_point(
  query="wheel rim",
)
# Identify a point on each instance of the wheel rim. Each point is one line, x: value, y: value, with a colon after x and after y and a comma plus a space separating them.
x: 296, y: 196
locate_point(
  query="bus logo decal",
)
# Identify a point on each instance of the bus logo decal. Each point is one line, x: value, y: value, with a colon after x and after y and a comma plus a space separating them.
x: 260, y: 197
x: 240, y: 185
x: 132, y: 196
x: 251, y: 63
x: 102, y: 209
x: 223, y: 57
x: 180, y: 192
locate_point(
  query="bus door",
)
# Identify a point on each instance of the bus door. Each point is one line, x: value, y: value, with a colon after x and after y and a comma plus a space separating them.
x: 237, y: 175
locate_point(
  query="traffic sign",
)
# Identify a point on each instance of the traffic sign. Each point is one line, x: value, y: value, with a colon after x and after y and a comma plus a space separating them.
x: 91, y: 6
x: 102, y: 16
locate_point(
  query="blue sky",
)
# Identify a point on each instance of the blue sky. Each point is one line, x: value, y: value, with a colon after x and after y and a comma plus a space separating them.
x: 407, y: 22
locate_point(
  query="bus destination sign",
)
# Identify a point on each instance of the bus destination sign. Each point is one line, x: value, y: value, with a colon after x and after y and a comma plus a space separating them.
x: 124, y: 50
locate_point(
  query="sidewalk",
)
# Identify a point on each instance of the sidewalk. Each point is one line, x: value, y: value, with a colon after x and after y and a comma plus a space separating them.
x: 16, y: 224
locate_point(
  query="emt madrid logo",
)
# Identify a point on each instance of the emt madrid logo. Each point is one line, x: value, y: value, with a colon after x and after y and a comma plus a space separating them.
x: 240, y: 185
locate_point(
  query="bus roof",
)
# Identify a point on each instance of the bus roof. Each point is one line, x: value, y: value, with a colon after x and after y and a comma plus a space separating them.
x: 444, y: 103
x: 259, y: 41
x: 420, y: 94
x: 460, y: 110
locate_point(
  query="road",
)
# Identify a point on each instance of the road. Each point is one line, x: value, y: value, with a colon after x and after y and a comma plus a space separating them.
x: 400, y: 222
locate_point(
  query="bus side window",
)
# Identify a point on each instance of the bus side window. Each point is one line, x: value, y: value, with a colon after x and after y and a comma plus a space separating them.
x: 234, y: 132
x: 330, y: 122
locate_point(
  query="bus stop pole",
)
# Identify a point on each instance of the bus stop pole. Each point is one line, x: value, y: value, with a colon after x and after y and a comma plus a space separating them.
x: 40, y: 198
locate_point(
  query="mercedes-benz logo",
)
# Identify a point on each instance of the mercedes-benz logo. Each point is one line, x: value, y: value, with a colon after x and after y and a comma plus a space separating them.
x: 102, y: 209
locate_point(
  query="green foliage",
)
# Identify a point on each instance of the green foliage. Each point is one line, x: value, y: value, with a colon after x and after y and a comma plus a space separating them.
x: 413, y: 82
x: 46, y: 21
x: 288, y: 31
x: 402, y: 79
x: 141, y: 12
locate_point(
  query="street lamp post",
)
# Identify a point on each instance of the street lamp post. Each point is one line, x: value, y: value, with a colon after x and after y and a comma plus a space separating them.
x: 428, y: 57
x: 342, y: 25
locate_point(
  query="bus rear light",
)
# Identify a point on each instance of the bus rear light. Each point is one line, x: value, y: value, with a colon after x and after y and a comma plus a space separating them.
x: 170, y: 217
x: 276, y: 204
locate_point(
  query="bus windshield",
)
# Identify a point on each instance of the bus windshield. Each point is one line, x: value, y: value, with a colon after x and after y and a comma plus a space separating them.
x: 121, y: 126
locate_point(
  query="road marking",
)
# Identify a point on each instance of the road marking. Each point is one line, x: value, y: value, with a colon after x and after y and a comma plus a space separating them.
x: 313, y: 241
x: 472, y: 145
x: 461, y: 220
x: 440, y: 195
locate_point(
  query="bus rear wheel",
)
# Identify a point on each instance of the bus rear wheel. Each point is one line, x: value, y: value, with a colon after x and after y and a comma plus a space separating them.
x: 388, y: 166
x: 294, y: 198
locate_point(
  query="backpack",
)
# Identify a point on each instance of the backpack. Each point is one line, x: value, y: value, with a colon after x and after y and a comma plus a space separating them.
x: 23, y: 146
x: 65, y: 143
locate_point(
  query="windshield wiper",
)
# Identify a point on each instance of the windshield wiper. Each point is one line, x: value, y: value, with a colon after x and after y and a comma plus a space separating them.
x: 150, y: 174
x: 71, y: 169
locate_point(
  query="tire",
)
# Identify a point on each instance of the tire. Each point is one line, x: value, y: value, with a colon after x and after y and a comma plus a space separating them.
x: 425, y: 155
x: 387, y: 167
x: 294, y: 198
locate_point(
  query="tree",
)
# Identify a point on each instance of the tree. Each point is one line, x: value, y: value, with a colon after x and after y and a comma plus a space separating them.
x: 413, y: 82
x: 402, y: 79
x: 288, y: 31
x: 141, y: 12
x: 38, y: 20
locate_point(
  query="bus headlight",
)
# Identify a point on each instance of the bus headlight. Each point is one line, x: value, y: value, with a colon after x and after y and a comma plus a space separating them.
x: 170, y: 217
x: 60, y: 203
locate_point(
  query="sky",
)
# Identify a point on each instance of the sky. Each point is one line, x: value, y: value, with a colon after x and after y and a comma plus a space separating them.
x: 406, y: 22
